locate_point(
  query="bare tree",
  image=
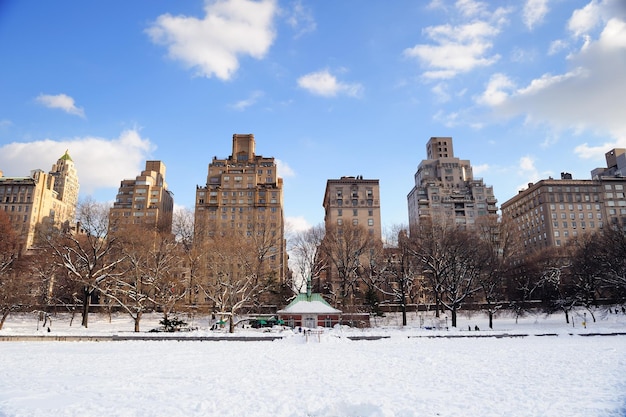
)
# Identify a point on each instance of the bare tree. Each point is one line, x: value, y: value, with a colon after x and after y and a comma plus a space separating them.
x: 498, y: 241
x: 148, y: 272
x: 614, y: 259
x: 12, y: 288
x: 235, y: 274
x: 462, y: 266
x: 428, y: 248
x: 305, y: 256
x: 344, y: 248
x: 89, y: 254
x: 191, y: 241
x: 399, y: 274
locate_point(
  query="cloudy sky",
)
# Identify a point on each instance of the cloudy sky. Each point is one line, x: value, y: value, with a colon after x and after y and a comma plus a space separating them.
x: 527, y: 89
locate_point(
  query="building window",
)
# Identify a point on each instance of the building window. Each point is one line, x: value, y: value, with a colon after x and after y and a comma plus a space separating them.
x: 370, y: 222
x: 355, y: 212
x: 355, y: 222
x: 339, y: 212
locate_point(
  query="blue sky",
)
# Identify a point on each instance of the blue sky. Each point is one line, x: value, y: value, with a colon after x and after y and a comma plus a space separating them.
x: 527, y: 89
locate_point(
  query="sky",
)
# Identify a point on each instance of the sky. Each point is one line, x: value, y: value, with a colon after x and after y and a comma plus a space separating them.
x: 526, y: 89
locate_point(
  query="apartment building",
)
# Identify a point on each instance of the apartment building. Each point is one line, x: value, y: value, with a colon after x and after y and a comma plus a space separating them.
x: 355, y: 200
x: 243, y: 196
x: 552, y: 211
x: 41, y: 197
x: 145, y: 200
x: 445, y: 188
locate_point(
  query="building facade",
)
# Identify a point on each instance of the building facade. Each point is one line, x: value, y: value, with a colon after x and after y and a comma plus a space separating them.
x: 355, y: 200
x: 552, y: 211
x: 243, y: 196
x: 445, y: 188
x: 41, y: 197
x: 145, y: 200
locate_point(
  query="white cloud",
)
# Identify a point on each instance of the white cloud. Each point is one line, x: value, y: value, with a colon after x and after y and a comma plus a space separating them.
x: 585, y: 19
x: 590, y: 97
x: 301, y: 19
x: 480, y: 169
x: 557, y: 46
x: 440, y: 90
x: 323, y: 83
x: 471, y: 8
x: 283, y: 169
x: 296, y: 224
x: 241, y: 105
x: 100, y: 162
x: 496, y: 91
x: 61, y: 101
x: 586, y: 151
x: 528, y: 171
x: 213, y: 45
x: 456, y: 49
x: 534, y: 12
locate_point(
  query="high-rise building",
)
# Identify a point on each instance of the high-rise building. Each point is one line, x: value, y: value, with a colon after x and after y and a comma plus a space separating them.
x: 66, y: 183
x: 243, y: 196
x: 552, y: 211
x: 615, y: 165
x: 145, y: 200
x: 353, y: 200
x: 41, y: 197
x: 445, y: 188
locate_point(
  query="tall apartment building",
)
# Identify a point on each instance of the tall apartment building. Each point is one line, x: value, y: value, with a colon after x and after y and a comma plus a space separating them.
x: 615, y: 165
x: 552, y: 211
x: 242, y: 194
x: 145, y: 200
x: 446, y: 188
x: 353, y: 200
x: 42, y: 197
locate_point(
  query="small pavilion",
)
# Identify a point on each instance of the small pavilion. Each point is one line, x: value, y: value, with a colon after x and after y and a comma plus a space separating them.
x: 309, y: 310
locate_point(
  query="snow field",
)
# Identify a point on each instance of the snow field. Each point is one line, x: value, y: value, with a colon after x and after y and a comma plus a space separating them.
x: 400, y: 376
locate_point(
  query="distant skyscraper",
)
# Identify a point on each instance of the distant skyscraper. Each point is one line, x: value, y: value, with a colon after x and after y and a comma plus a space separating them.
x: 243, y: 195
x: 41, y: 197
x: 353, y: 200
x: 615, y: 165
x: 552, y: 211
x: 66, y: 183
x: 145, y: 200
x: 445, y: 188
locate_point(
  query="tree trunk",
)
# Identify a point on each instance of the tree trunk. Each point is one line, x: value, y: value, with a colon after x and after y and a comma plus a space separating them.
x: 137, y: 319
x: 5, y: 314
x: 231, y: 324
x: 404, y: 314
x: 491, y: 320
x: 453, y: 316
x: 86, y: 301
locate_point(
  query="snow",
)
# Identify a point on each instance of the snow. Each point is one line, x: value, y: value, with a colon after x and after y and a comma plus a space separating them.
x: 549, y: 368
x: 304, y: 307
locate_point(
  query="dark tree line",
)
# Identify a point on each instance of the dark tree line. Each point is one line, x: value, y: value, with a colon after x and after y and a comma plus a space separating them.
x: 450, y: 267
x: 439, y: 265
x: 135, y: 268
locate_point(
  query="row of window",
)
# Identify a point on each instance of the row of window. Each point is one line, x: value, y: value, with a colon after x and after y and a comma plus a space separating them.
x: 370, y: 222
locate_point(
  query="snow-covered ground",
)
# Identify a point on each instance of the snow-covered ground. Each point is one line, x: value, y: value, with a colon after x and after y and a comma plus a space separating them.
x: 554, y: 371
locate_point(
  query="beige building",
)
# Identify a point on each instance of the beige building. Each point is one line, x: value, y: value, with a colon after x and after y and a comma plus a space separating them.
x: 445, y: 187
x: 145, y: 200
x: 552, y: 211
x: 42, y: 197
x: 243, y: 193
x: 353, y: 200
